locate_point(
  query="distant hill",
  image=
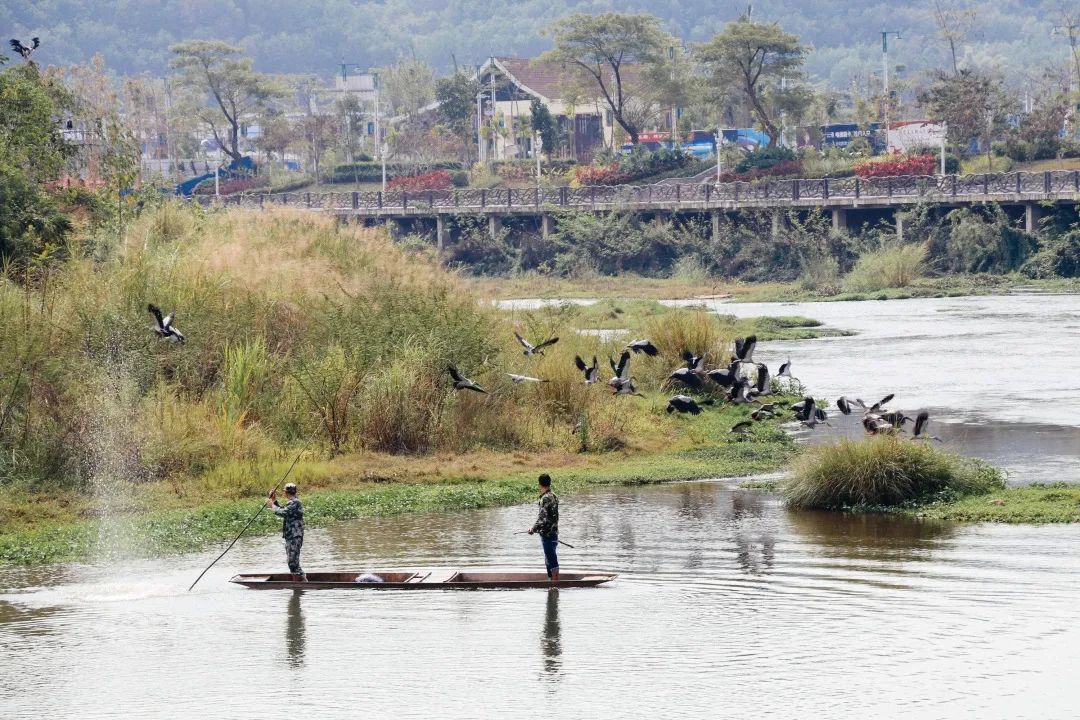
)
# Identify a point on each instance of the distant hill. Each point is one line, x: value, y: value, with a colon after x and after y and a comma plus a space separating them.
x: 315, y: 36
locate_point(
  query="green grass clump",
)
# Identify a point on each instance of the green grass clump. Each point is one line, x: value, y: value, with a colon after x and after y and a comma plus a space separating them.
x: 885, y: 472
x: 1036, y: 503
x: 892, y: 266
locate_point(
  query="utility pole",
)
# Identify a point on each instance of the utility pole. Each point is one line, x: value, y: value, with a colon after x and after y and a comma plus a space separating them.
x: 885, y: 77
x: 1070, y: 27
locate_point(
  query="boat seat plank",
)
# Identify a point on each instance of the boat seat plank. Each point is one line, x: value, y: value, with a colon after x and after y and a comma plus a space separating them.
x: 441, y: 576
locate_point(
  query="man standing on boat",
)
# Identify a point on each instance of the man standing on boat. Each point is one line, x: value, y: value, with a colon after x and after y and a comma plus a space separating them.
x: 292, y: 529
x: 547, y: 525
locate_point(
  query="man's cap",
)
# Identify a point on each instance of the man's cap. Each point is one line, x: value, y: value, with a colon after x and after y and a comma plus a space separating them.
x: 290, y: 488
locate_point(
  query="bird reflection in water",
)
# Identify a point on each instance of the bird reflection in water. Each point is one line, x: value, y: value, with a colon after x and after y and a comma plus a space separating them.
x: 551, y: 638
x: 294, y: 631
x: 748, y: 506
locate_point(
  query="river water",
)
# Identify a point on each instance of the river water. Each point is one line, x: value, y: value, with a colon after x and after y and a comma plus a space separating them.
x: 728, y: 605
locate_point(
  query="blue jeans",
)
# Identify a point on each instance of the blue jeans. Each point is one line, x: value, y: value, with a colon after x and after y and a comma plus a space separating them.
x: 551, y: 560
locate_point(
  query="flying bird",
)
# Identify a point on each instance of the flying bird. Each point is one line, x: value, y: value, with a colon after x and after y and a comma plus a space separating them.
x: 531, y: 349
x: 739, y: 393
x: 626, y: 387
x: 819, y: 417
x: 744, y: 347
x: 764, y: 412
x: 622, y: 383
x: 694, y: 363
x: 762, y: 386
x: 785, y: 369
x: 723, y: 377
x: 843, y: 405
x: 875, y: 425
x: 592, y: 372
x: 163, y: 326
x: 463, y: 383
x: 876, y: 407
x: 896, y: 418
x: 643, y: 346
x: 25, y: 50
x: 686, y: 404
x: 518, y: 379
x: 804, y: 409
x: 687, y: 377
x: 921, y: 421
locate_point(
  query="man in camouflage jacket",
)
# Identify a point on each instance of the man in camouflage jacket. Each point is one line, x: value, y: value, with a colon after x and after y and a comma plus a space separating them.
x: 547, y: 526
x: 292, y: 529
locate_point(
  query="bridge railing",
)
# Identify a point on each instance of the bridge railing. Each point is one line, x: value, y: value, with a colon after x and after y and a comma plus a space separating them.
x: 661, y: 196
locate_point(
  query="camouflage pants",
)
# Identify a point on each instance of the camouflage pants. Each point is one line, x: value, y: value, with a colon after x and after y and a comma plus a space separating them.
x: 292, y: 554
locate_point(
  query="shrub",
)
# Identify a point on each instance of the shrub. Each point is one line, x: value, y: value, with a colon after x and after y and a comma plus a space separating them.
x: 229, y: 187
x: 894, y: 165
x: 371, y: 172
x: 434, y: 180
x: 891, y: 266
x: 586, y: 175
x: 980, y: 240
x: 765, y: 158
x: 1060, y: 257
x: 884, y: 471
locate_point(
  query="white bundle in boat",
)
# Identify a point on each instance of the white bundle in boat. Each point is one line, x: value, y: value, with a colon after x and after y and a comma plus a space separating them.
x: 368, y: 578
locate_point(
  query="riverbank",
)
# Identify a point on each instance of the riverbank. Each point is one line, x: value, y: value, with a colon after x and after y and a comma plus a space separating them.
x: 1036, y: 504
x: 48, y: 529
x: 675, y: 288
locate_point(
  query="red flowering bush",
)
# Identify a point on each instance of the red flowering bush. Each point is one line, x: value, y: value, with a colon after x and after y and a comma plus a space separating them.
x: 894, y: 165
x: 434, y: 180
x: 585, y: 175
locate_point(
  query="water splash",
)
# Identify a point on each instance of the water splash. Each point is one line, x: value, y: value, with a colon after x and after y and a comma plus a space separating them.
x: 111, y: 446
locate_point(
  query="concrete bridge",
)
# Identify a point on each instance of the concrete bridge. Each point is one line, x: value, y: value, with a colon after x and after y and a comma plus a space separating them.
x: 847, y: 200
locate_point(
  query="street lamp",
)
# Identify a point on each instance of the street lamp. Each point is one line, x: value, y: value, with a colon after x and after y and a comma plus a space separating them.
x: 885, y: 76
x: 378, y: 131
x: 538, y: 143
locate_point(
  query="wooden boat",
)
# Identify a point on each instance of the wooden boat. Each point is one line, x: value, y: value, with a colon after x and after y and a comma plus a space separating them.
x: 445, y: 579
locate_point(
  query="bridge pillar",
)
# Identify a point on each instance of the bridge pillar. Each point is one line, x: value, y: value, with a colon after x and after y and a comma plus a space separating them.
x: 440, y: 231
x: 839, y: 219
x: 899, y: 225
x: 774, y: 234
x: 547, y: 225
x: 1032, y: 215
x: 715, y: 224
x: 494, y: 226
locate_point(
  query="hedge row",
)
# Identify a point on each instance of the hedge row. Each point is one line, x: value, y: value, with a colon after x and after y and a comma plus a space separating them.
x: 371, y: 172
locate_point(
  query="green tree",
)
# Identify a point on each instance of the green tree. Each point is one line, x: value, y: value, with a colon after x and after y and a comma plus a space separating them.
x: 456, y: 95
x: 542, y: 122
x: 408, y: 85
x: 761, y: 64
x: 620, y: 53
x: 237, y: 91
x: 974, y: 105
x: 32, y: 151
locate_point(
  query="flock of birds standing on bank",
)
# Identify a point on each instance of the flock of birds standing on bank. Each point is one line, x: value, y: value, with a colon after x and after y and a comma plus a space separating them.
x: 744, y: 382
